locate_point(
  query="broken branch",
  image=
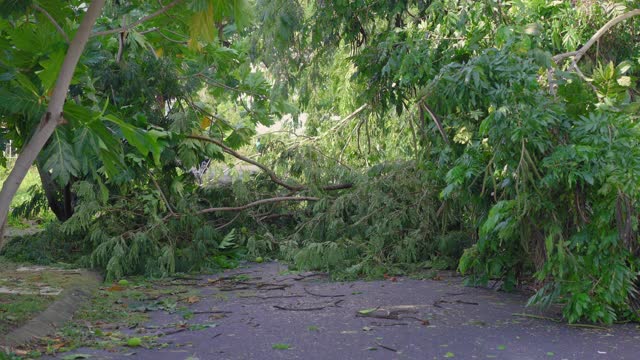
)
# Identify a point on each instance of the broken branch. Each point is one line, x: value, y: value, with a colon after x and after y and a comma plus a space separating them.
x: 237, y: 155
x: 435, y: 120
x: 258, y: 202
x: 264, y: 168
x: 577, y: 55
x: 333, y: 304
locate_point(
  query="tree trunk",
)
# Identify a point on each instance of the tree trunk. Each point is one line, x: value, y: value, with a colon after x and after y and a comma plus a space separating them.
x: 67, y: 200
x: 51, y: 192
x: 60, y: 200
x: 53, y: 116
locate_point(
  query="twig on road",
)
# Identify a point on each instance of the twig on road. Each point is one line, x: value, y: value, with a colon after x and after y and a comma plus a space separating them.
x: 333, y: 304
x: 386, y: 347
x: 320, y: 295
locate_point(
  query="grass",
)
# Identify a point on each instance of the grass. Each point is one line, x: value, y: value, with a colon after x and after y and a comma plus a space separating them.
x: 22, y: 195
x: 31, y: 179
x: 55, y: 277
x: 15, y: 310
x: 117, y: 306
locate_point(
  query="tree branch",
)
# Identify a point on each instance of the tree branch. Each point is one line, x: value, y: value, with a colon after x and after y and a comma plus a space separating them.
x: 348, y: 118
x: 267, y: 170
x: 237, y: 155
x: 215, y: 83
x: 121, y: 40
x: 207, y: 113
x: 138, y: 22
x: 577, y: 55
x: 435, y: 120
x: 164, y: 198
x: 258, y: 202
x: 53, y: 21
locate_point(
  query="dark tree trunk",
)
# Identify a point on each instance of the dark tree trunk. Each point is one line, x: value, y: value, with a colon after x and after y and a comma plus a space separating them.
x: 60, y: 200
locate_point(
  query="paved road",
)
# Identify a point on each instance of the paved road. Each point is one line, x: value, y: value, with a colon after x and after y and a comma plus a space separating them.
x: 404, y: 319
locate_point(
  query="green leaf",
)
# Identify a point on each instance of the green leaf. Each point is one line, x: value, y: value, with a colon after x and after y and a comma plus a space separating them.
x: 27, y: 84
x: 281, y: 346
x: 18, y: 100
x: 14, y: 7
x: 84, y: 145
x: 60, y: 160
x: 50, y: 70
x: 228, y: 241
x: 24, y: 38
x: 104, y: 192
x: 144, y: 141
x: 367, y: 311
x: 78, y: 114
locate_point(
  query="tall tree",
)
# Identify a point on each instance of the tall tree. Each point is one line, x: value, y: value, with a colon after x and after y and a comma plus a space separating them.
x: 53, y: 116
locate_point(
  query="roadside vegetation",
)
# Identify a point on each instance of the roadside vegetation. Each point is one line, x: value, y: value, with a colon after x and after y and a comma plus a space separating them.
x: 499, y: 139
x: 106, y: 322
x: 28, y: 209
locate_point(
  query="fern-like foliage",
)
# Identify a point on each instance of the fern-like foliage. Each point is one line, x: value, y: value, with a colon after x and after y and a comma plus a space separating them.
x: 387, y: 221
x: 127, y: 235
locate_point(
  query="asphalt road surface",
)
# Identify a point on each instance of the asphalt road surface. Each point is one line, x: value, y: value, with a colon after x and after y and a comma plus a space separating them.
x: 265, y: 312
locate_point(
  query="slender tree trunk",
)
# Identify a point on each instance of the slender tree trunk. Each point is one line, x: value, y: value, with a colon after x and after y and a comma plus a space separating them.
x: 52, y: 118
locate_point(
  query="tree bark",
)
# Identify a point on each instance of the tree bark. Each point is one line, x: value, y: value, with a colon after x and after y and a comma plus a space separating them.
x: 51, y: 191
x: 53, y: 116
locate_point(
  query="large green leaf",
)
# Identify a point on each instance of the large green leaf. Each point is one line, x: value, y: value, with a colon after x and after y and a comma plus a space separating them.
x: 17, y: 100
x: 59, y: 158
x: 13, y: 7
x: 50, y: 69
x: 25, y: 38
x: 85, y: 144
x: 144, y: 141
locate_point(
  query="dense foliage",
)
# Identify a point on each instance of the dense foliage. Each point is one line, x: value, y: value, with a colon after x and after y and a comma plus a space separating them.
x: 123, y: 161
x: 538, y: 159
x: 431, y: 127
